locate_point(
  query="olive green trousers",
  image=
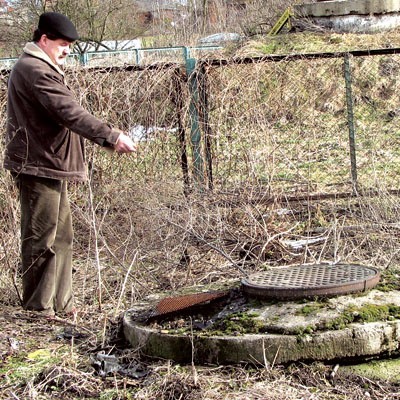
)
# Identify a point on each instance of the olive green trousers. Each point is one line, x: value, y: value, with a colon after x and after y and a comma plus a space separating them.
x: 46, y: 244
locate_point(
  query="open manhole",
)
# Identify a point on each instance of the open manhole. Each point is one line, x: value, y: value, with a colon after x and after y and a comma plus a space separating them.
x: 307, y: 281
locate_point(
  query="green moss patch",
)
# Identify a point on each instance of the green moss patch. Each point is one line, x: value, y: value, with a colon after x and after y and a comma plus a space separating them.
x: 239, y: 324
x: 366, y: 313
x: 310, y: 308
x: 385, y: 370
x: 390, y: 280
x: 23, y: 368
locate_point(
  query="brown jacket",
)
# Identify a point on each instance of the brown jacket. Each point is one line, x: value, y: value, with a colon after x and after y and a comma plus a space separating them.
x: 45, y: 123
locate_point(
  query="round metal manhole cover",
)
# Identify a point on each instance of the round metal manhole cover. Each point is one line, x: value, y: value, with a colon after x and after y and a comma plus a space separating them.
x: 304, y: 281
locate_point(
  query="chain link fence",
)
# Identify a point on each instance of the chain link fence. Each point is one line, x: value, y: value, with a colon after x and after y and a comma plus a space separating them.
x: 311, y: 123
x: 250, y: 129
x: 277, y: 123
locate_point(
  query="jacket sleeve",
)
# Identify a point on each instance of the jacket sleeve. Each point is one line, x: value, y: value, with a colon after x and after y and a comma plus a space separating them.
x: 62, y: 106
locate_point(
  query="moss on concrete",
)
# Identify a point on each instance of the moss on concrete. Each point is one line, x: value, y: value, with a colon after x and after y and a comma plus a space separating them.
x: 390, y: 280
x: 366, y: 313
x: 238, y: 324
x: 310, y: 308
x: 386, y: 370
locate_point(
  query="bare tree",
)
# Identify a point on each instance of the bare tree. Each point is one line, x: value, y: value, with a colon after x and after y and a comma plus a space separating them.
x: 96, y: 20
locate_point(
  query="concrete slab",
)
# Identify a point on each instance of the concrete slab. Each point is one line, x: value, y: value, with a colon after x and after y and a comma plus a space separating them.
x: 347, y: 7
x: 355, y: 16
x: 291, y: 331
x: 358, y: 23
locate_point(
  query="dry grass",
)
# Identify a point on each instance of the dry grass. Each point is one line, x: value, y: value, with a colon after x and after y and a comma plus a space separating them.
x: 278, y: 135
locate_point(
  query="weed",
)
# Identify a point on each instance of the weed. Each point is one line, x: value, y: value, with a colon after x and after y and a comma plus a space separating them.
x: 278, y: 134
x: 301, y: 332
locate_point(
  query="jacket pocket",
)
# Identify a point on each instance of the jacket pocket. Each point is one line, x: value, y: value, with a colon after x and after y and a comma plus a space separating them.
x: 57, y: 145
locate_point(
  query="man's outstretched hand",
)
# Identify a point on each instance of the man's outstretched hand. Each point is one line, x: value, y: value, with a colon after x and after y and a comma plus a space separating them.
x: 124, y: 144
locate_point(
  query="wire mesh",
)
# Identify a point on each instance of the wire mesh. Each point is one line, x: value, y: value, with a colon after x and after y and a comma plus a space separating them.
x: 284, y: 126
x: 270, y: 128
x: 375, y: 92
x: 143, y: 104
x: 276, y: 133
x: 279, y: 126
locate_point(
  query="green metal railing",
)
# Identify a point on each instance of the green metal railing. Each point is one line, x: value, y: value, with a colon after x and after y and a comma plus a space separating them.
x: 178, y: 54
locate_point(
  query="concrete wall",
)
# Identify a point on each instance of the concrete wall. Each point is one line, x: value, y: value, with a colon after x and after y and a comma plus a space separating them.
x: 356, y: 16
x: 347, y: 7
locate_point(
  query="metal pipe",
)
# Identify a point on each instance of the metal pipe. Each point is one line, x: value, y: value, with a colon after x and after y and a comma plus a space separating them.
x: 350, y: 121
x: 206, y: 125
x: 178, y: 101
x: 195, y: 136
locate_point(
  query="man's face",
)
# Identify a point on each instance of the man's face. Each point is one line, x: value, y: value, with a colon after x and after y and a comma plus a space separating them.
x: 57, y: 49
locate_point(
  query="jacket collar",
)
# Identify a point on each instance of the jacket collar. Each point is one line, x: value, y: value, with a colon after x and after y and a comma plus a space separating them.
x: 34, y: 50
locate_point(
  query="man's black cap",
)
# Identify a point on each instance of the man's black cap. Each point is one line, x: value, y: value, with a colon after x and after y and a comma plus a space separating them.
x: 58, y: 26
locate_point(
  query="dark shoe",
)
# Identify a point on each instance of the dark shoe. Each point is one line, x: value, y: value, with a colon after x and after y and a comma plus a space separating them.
x: 42, y: 314
x: 70, y: 314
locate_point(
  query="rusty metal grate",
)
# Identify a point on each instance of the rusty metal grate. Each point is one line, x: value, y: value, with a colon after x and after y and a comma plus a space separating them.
x: 302, y: 281
x: 177, y: 303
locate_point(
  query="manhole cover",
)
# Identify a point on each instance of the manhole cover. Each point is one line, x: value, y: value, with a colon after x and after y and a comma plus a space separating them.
x: 304, y: 281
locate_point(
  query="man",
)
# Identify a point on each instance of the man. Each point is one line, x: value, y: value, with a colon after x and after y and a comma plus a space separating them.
x: 44, y: 149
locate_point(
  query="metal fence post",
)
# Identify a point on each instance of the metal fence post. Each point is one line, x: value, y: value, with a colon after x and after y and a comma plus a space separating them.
x: 83, y: 58
x: 137, y: 58
x: 350, y: 121
x: 195, y: 134
x: 177, y: 99
x: 203, y: 88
